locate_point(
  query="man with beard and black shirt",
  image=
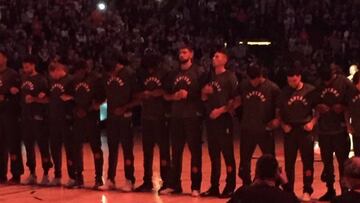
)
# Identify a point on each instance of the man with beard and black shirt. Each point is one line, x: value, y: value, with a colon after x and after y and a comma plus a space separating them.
x: 154, y: 122
x: 120, y: 91
x: 258, y: 97
x: 296, y: 112
x: 88, y: 96
x: 352, y: 181
x: 353, y: 122
x: 34, y: 91
x: 264, y: 188
x: 184, y: 91
x: 218, y: 96
x: 10, y: 136
x: 333, y: 136
x: 60, y: 121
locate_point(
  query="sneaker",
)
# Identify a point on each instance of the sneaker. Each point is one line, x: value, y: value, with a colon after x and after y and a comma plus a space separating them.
x: 328, y: 196
x: 211, y: 192
x: 98, y: 183
x: 169, y: 191
x: 45, y: 181
x: 195, y: 193
x: 31, y: 180
x: 128, y: 186
x: 145, y: 187
x: 71, y: 183
x: 227, y: 192
x: 110, y: 185
x: 56, y: 182
x: 306, y: 197
x: 14, y: 181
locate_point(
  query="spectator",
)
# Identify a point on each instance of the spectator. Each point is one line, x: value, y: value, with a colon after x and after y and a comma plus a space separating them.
x: 267, y: 175
x: 352, y: 180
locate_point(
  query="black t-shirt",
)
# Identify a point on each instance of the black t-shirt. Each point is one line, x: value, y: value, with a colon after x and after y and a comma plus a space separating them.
x: 59, y: 109
x: 192, y: 80
x: 349, y: 197
x: 33, y: 86
x: 259, y: 104
x: 88, y: 90
x: 353, y: 102
x: 224, y: 85
x: 296, y: 106
x: 262, y: 193
x: 120, y: 89
x: 10, y: 105
x: 335, y: 93
x: 153, y: 108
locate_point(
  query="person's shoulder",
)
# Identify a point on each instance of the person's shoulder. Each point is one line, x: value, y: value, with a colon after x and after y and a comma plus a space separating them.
x: 309, y: 87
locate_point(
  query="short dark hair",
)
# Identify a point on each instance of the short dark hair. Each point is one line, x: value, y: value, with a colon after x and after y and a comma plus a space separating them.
x: 267, y: 167
x: 254, y: 71
x: 325, y: 73
x: 186, y: 46
x: 222, y: 51
x: 293, y: 71
x: 30, y: 59
x: 80, y: 65
x: 356, y: 78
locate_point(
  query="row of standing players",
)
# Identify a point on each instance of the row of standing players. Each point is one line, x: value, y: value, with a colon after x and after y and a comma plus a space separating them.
x: 65, y: 109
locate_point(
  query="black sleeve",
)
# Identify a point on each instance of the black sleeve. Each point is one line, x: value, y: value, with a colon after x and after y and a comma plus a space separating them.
x: 349, y: 87
x: 233, y: 86
x: 275, y: 92
x: 168, y: 82
x: 99, y: 90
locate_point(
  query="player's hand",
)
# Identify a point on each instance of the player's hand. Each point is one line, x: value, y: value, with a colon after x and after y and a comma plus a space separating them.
x: 41, y: 95
x: 183, y: 94
x: 281, y: 176
x: 286, y: 128
x: 309, y: 126
x: 147, y: 94
x: 350, y: 129
x: 215, y: 113
x: 66, y: 97
x: 14, y: 90
x: 29, y: 99
x: 323, y: 108
x: 273, y: 124
x: 208, y: 89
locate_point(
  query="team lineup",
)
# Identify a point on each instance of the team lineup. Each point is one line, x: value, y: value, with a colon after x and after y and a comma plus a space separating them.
x: 63, y: 109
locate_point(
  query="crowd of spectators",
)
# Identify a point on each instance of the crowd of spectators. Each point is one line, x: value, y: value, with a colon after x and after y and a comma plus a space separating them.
x: 309, y: 33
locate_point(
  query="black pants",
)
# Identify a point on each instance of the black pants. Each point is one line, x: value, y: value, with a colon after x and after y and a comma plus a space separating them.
x: 61, y: 132
x: 220, y: 140
x: 186, y: 130
x: 299, y: 139
x: 119, y: 129
x: 88, y: 128
x: 156, y: 132
x: 356, y: 142
x: 330, y: 143
x: 249, y: 139
x: 10, y: 144
x: 36, y: 131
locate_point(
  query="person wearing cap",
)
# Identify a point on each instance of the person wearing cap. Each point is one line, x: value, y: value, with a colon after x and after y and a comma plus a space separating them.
x: 352, y: 181
x: 60, y: 121
x: 88, y: 96
x: 154, y: 121
x: 10, y: 136
x: 332, y: 95
x: 183, y: 90
x: 34, y: 99
x: 265, y: 188
x: 120, y: 89
x: 257, y: 96
x: 218, y: 95
x: 295, y: 109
